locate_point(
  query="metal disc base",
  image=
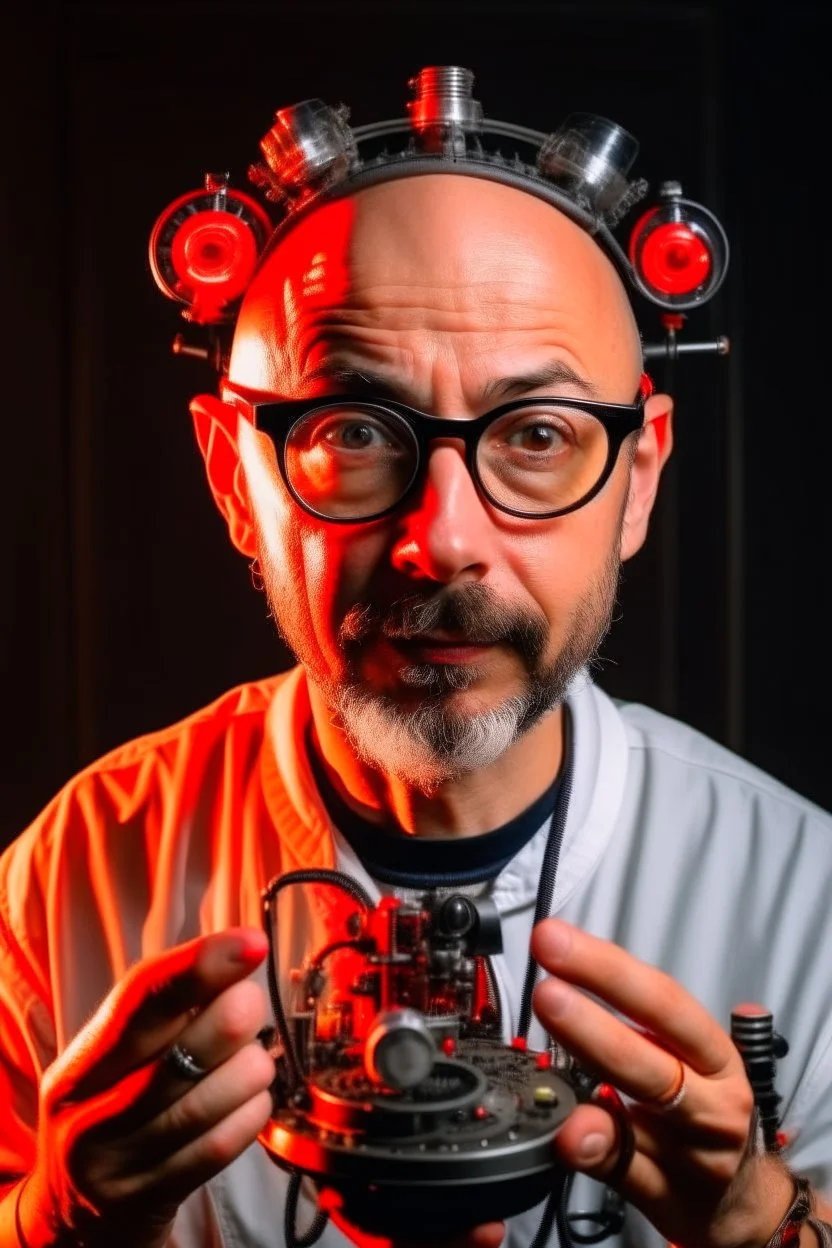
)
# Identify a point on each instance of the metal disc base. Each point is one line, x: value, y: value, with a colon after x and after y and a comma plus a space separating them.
x: 480, y: 1154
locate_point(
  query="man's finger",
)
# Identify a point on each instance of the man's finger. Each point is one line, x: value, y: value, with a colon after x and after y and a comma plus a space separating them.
x: 613, y: 1049
x: 172, y: 1178
x: 646, y: 995
x: 144, y: 1014
x: 204, y: 1106
x: 229, y: 1023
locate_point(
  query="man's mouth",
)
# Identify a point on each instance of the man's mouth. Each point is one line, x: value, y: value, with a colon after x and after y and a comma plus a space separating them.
x: 465, y: 628
x: 441, y: 647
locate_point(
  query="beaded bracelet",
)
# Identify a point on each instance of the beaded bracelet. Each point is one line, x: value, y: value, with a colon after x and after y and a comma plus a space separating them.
x: 800, y: 1212
x: 823, y: 1231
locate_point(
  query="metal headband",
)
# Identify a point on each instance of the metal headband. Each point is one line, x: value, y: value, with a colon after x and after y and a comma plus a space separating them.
x: 206, y: 246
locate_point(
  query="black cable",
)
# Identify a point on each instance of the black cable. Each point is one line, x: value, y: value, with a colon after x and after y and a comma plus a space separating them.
x: 290, y: 1212
x: 311, y: 875
x: 319, y: 875
x: 562, y: 1212
x: 548, y: 874
x: 360, y: 946
x: 550, y: 1213
x: 609, y: 1218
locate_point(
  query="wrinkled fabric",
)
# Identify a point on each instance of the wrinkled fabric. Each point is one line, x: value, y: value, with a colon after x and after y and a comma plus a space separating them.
x: 674, y: 848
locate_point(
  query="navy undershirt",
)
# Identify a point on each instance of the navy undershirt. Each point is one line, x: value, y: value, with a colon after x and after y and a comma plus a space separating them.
x: 393, y: 857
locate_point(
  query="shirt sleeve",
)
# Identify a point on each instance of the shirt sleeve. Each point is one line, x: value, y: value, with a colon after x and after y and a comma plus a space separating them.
x: 26, y: 1025
x: 27, y: 1044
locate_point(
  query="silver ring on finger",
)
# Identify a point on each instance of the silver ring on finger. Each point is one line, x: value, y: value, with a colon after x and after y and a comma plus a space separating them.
x: 184, y: 1063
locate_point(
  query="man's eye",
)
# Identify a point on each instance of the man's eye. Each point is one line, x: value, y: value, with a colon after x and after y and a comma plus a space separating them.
x: 357, y: 435
x: 536, y: 437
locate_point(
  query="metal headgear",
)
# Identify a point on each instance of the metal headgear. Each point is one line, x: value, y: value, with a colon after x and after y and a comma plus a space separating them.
x: 205, y: 247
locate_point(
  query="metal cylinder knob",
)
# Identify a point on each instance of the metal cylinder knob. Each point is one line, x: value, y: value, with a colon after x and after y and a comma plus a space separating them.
x: 443, y: 97
x: 309, y: 143
x: 590, y: 158
x: 399, y: 1051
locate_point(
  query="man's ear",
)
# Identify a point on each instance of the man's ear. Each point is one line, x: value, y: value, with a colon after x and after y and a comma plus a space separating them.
x: 215, y: 424
x: 652, y: 451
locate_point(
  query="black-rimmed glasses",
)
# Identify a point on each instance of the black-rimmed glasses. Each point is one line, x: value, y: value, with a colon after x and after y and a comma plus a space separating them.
x: 348, y: 460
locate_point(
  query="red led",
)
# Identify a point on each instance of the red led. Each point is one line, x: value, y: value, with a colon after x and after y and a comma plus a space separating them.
x: 607, y: 1096
x: 449, y: 1046
x: 673, y: 320
x: 543, y: 1061
x: 519, y: 1043
x: 480, y: 1113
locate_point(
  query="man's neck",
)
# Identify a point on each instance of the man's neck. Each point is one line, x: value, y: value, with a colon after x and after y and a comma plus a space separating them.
x: 466, y: 806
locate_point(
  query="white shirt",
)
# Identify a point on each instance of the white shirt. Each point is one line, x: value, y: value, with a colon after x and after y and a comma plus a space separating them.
x: 674, y: 848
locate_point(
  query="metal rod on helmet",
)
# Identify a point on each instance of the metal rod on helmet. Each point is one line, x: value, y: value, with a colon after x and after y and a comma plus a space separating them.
x: 670, y: 349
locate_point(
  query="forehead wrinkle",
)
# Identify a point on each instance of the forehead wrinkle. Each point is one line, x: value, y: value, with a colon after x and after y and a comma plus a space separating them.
x: 433, y: 379
x: 410, y: 315
x: 379, y: 337
x: 364, y: 301
x: 446, y: 292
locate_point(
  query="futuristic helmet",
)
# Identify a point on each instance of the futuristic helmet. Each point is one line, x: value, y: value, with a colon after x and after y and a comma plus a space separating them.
x: 206, y: 246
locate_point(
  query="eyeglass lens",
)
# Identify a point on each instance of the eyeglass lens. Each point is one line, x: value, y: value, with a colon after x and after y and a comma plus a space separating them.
x: 351, y: 461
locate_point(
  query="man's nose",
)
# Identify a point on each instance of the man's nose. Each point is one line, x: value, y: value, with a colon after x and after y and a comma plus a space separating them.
x: 447, y: 529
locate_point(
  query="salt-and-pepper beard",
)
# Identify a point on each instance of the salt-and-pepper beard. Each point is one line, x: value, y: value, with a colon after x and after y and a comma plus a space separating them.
x: 428, y: 743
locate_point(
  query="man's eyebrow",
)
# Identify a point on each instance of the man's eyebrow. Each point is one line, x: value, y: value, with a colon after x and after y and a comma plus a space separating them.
x: 553, y: 376
x: 354, y: 379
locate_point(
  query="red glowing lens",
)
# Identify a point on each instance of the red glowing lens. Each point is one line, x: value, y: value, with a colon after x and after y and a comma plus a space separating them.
x: 213, y: 255
x: 674, y: 259
x: 204, y: 249
x: 676, y: 253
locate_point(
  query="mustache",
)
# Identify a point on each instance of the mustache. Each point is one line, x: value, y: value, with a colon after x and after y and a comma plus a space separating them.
x: 474, y: 611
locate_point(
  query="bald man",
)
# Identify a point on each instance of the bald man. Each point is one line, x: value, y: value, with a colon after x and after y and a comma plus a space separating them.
x: 436, y: 440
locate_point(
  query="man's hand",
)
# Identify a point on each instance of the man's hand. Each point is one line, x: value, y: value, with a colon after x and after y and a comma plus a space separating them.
x: 122, y: 1137
x: 692, y: 1173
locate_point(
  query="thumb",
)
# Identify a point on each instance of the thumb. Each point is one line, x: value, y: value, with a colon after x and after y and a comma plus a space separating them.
x: 598, y: 1142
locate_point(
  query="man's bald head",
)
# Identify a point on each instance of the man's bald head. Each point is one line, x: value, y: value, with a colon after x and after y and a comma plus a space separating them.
x: 428, y: 256
x: 455, y: 296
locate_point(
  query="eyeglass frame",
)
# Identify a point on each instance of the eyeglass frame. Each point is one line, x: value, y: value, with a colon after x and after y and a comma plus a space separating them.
x: 427, y: 428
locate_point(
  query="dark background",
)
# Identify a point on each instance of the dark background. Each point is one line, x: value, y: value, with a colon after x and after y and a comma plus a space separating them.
x: 125, y: 605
